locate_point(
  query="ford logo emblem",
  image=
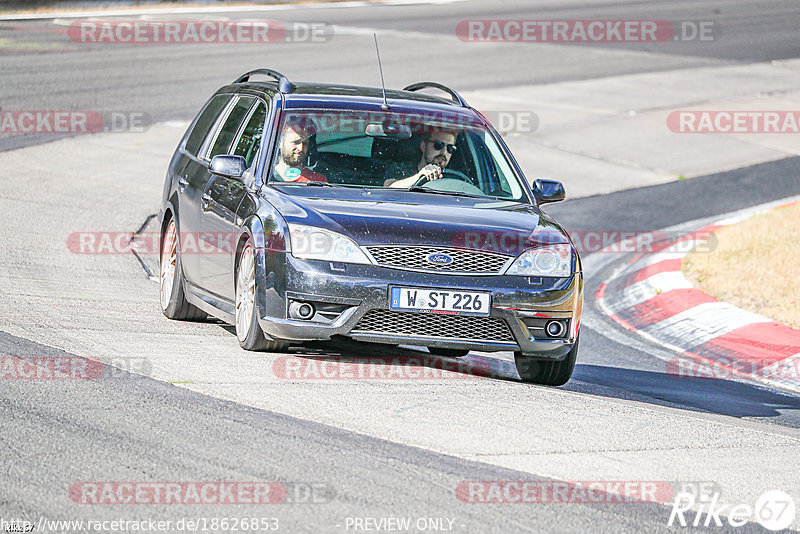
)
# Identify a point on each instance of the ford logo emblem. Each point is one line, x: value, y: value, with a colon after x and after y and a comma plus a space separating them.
x: 439, y: 258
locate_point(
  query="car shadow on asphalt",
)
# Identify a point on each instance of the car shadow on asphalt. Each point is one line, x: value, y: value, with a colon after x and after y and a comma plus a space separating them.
x: 714, y: 395
x: 383, y: 361
x: 393, y: 361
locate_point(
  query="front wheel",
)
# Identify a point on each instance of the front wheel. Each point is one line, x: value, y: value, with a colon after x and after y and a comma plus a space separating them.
x: 248, y: 331
x: 546, y: 372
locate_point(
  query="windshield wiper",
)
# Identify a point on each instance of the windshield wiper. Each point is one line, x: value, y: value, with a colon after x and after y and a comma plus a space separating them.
x: 422, y: 189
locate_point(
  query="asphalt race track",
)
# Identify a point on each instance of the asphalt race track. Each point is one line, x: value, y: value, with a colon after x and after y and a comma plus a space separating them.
x: 180, y: 402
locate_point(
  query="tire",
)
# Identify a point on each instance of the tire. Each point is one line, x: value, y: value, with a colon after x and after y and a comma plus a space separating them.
x: 173, y: 300
x: 546, y: 372
x: 449, y: 353
x: 248, y: 331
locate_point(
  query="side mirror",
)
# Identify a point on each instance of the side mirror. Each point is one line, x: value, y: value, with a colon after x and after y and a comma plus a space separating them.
x: 548, y: 191
x: 228, y: 166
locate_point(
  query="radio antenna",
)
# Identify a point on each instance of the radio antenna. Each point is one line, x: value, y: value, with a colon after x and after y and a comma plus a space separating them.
x: 385, y: 104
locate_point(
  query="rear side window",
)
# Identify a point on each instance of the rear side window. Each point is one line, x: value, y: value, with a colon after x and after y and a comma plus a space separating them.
x: 228, y: 131
x: 205, y: 122
x: 250, y: 140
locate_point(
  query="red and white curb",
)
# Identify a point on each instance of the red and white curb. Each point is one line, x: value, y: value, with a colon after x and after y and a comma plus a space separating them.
x: 650, y: 296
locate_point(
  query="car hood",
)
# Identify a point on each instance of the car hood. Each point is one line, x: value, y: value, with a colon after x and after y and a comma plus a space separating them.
x: 372, y: 217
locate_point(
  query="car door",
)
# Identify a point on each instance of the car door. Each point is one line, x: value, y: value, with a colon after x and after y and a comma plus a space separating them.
x: 192, y: 178
x: 240, y: 135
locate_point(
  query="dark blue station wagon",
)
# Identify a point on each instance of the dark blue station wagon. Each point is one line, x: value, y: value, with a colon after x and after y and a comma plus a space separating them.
x: 304, y: 211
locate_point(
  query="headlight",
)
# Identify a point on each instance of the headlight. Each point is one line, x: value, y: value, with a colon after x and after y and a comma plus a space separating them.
x: 550, y: 260
x: 312, y: 243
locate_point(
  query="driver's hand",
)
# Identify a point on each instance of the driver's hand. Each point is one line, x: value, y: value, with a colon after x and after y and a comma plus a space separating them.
x: 430, y: 172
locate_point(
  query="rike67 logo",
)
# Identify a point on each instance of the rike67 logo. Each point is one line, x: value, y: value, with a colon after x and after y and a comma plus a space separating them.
x: 774, y: 510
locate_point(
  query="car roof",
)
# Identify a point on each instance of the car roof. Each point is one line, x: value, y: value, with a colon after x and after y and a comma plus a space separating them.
x: 342, y: 96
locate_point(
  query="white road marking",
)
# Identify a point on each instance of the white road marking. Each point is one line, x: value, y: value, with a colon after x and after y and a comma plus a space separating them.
x: 645, y: 290
x: 652, y: 259
x: 702, y: 323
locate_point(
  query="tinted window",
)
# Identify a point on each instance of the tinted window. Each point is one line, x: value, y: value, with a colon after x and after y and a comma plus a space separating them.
x: 380, y: 149
x: 207, y: 119
x: 250, y: 140
x: 226, y: 134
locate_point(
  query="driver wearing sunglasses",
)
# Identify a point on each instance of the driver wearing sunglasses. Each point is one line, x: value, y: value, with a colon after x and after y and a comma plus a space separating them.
x: 437, y: 147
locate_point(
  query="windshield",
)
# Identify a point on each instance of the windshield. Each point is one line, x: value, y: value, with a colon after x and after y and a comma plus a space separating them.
x: 419, y: 152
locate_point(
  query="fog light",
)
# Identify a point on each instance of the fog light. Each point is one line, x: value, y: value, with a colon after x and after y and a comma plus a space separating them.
x: 301, y: 310
x: 555, y: 329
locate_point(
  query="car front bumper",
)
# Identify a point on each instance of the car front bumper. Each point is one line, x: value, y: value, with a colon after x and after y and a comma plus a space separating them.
x: 353, y: 291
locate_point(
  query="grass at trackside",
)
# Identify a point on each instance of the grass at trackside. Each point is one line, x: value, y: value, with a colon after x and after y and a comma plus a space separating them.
x: 755, y: 266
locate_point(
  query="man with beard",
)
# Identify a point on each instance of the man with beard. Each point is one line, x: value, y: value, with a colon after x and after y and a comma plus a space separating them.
x: 292, y: 154
x: 437, y: 147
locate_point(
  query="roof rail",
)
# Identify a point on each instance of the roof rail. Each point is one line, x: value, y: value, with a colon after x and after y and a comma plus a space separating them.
x: 284, y: 86
x: 433, y: 85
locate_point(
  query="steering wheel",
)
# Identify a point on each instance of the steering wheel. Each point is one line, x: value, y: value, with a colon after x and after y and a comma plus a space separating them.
x: 454, y: 185
x: 453, y: 175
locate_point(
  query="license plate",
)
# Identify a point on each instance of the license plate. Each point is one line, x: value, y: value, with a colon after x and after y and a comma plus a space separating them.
x: 447, y: 301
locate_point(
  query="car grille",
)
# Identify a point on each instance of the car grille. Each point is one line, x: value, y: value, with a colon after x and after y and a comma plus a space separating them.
x: 464, y: 261
x: 460, y: 327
